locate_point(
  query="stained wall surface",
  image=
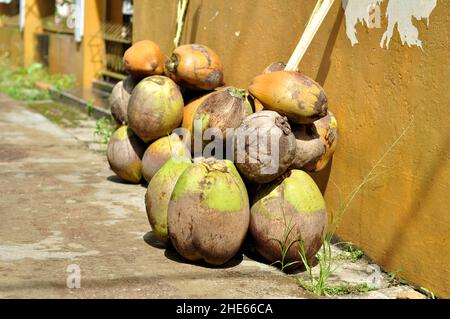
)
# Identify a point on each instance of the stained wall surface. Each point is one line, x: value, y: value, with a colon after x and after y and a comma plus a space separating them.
x: 400, y: 217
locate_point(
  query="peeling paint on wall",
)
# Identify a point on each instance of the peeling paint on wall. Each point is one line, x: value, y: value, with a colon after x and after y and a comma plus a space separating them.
x: 399, y: 13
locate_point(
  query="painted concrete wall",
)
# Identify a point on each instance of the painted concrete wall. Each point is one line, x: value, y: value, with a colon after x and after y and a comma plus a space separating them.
x: 35, y: 10
x: 65, y: 56
x: 11, y: 45
x: 401, y: 218
x: 85, y: 59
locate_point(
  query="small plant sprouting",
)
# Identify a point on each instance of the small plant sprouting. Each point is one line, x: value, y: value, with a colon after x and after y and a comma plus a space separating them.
x: 90, y: 107
x: 318, y: 284
x: 22, y: 83
x: 104, y: 129
x: 346, y: 289
x: 284, y: 244
x: 355, y: 253
x: 395, y: 279
x: 428, y: 292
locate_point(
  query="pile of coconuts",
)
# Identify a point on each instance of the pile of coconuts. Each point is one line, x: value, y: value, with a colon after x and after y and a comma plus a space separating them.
x: 269, y: 137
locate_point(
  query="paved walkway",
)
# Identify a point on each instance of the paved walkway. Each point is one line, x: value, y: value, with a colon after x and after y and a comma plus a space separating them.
x: 62, y: 211
x: 60, y: 205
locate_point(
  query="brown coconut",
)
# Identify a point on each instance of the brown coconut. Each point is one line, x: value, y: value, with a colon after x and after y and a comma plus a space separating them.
x: 222, y: 110
x: 159, y: 152
x: 119, y: 98
x: 124, y: 154
x: 264, y: 146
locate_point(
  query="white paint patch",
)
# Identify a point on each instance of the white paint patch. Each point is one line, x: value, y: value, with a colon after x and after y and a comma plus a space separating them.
x: 50, y: 248
x: 237, y: 33
x: 399, y: 13
x: 357, y: 11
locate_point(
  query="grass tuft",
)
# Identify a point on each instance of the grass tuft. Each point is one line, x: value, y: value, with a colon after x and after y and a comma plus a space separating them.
x: 22, y: 83
x: 104, y: 129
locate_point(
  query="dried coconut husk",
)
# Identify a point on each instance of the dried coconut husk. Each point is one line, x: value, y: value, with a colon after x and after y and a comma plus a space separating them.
x: 264, y: 146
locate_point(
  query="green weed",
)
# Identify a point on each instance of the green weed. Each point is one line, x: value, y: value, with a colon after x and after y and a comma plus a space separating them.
x: 285, y: 244
x: 90, y: 107
x: 104, y: 129
x: 20, y: 83
x: 428, y: 292
x: 395, y: 279
x: 318, y: 284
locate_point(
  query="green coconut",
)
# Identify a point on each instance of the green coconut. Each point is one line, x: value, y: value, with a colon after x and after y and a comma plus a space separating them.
x: 159, y: 152
x: 295, y: 207
x: 155, y: 108
x: 208, y: 214
x: 124, y: 154
x: 159, y: 191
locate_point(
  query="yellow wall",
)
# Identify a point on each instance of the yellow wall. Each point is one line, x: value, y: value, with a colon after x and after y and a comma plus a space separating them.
x: 65, y: 56
x: 92, y: 44
x: 84, y: 59
x: 11, y: 45
x: 401, y: 218
x: 35, y: 10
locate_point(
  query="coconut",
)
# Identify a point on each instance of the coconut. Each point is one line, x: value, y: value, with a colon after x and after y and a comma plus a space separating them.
x: 223, y: 109
x: 159, y: 191
x: 155, y: 108
x: 195, y: 67
x: 159, y: 152
x: 208, y: 214
x: 292, y: 94
x: 290, y: 211
x: 143, y: 58
x: 119, y: 98
x: 316, y: 143
x: 255, y: 103
x: 124, y: 154
x: 264, y: 146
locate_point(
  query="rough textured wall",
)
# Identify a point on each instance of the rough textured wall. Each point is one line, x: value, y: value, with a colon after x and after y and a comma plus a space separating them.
x: 401, y: 218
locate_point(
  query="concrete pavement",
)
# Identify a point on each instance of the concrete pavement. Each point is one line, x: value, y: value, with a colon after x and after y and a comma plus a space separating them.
x: 62, y: 208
